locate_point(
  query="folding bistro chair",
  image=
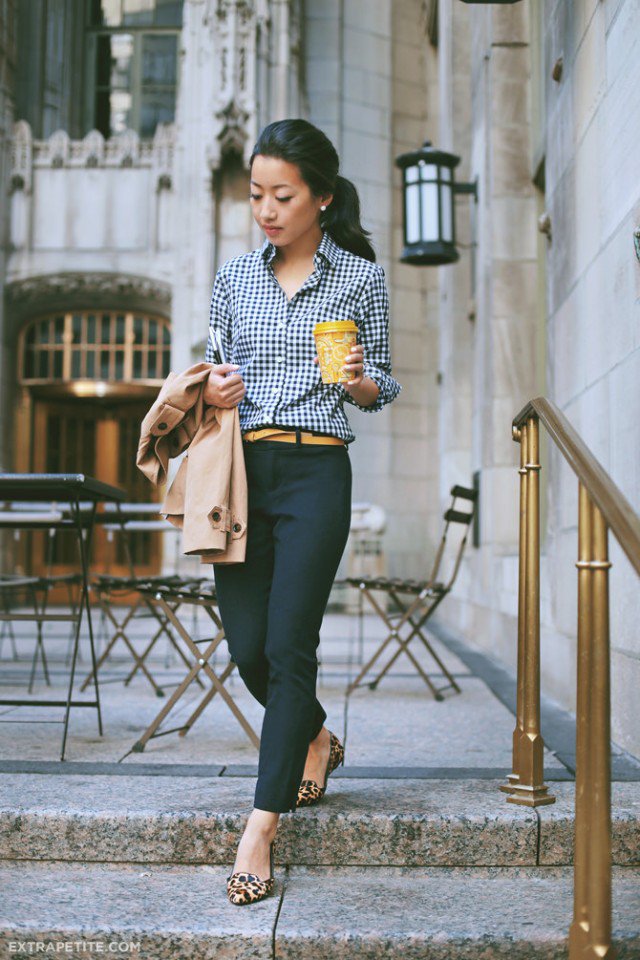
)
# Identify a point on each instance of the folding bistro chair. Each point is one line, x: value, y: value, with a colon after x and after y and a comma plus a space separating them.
x: 427, y: 596
x: 111, y: 590
x: 203, y: 595
x: 34, y: 590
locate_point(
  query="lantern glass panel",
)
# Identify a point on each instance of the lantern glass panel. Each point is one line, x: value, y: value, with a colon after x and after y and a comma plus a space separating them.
x: 446, y: 202
x: 412, y: 200
x: 429, y: 203
x: 411, y: 174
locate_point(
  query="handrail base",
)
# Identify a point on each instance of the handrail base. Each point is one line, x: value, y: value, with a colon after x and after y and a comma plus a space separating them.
x: 581, y: 947
x: 527, y: 795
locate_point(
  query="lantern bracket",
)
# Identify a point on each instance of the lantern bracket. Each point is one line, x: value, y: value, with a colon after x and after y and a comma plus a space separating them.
x: 467, y: 188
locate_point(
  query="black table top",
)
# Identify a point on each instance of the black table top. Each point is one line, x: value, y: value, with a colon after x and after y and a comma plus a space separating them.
x: 57, y: 486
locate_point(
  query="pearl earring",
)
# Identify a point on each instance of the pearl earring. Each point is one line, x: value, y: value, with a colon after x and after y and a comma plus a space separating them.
x: 323, y: 206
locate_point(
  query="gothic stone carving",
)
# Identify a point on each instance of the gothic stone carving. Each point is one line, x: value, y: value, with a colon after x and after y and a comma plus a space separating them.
x: 21, y: 157
x: 63, y: 286
x: 122, y: 150
x: 233, y: 24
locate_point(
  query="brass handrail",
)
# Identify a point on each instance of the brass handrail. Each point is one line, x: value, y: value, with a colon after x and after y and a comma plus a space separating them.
x: 600, y: 506
x: 618, y: 513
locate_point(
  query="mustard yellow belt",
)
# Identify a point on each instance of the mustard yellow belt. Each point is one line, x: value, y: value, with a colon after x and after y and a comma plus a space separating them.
x: 288, y: 436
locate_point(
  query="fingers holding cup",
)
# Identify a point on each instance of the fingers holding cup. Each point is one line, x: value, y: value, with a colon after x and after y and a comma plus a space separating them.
x: 354, y: 364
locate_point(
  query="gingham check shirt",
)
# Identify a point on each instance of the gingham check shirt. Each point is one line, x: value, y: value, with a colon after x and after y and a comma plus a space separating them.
x: 271, y: 338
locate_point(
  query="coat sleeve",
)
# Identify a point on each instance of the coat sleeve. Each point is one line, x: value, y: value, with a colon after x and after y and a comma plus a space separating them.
x: 220, y: 316
x: 372, y: 318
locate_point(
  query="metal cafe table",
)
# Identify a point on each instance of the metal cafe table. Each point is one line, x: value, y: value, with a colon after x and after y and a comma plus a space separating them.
x: 76, y: 497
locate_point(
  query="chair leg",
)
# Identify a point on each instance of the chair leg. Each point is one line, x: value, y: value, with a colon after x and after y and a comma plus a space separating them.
x: 206, y: 700
x: 406, y: 617
x: 403, y: 642
x: 200, y: 663
x: 163, y: 628
x: 367, y: 667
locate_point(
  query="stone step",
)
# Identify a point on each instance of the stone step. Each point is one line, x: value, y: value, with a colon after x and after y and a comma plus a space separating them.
x: 316, y: 913
x: 195, y: 820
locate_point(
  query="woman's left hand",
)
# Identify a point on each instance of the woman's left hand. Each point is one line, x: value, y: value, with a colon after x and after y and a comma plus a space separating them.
x: 353, y: 365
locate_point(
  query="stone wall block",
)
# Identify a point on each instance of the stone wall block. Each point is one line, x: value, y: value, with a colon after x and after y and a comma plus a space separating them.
x: 589, y: 178
x: 411, y: 421
x: 510, y: 24
x: 560, y: 138
x: 364, y: 16
x: 322, y: 9
x: 362, y: 118
x: 503, y: 451
x: 509, y: 90
x: 514, y: 228
x: 366, y: 86
x: 591, y: 415
x: 622, y: 40
x: 410, y: 459
x: 500, y: 495
x: 324, y: 35
x: 513, y: 360
x: 514, y: 289
x: 618, y: 149
x: 561, y: 268
x: 323, y: 75
x: 625, y: 683
x: 588, y: 77
x: 510, y: 165
x: 564, y: 582
x: 409, y: 132
x: 624, y: 602
x: 624, y: 391
x: 409, y: 30
x: 367, y: 51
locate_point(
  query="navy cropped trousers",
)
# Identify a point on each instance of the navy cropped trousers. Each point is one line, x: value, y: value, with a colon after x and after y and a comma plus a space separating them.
x: 272, y: 605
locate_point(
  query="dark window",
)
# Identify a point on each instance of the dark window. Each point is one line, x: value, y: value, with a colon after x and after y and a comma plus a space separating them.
x: 133, y: 57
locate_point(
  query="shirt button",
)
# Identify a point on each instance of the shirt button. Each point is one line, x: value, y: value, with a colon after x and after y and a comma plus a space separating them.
x: 280, y: 359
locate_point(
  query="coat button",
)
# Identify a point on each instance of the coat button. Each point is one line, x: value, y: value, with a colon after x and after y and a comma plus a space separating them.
x: 162, y: 426
x: 237, y: 528
x: 216, y: 515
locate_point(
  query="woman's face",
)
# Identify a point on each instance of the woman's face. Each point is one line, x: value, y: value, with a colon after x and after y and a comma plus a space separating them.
x: 281, y: 202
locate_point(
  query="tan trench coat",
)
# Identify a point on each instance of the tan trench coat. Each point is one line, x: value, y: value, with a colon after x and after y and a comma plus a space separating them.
x: 208, y: 497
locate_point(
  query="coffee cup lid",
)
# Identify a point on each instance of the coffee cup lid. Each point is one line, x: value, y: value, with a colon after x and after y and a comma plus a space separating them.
x: 329, y: 326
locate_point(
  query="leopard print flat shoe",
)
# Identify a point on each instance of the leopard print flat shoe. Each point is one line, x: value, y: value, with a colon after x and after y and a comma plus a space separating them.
x: 310, y: 792
x: 245, y: 888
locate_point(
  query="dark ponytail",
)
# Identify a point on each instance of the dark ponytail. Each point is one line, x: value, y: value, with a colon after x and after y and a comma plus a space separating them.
x: 299, y: 142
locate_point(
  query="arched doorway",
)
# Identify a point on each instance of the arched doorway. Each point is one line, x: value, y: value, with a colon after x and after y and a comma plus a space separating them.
x: 87, y: 378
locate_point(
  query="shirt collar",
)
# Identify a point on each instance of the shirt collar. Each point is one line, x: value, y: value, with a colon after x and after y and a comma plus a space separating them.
x: 327, y: 249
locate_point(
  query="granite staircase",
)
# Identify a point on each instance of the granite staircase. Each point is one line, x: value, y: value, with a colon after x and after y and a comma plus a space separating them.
x: 132, y: 861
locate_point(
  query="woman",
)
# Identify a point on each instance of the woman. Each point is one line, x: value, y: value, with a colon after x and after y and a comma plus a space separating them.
x: 315, y: 264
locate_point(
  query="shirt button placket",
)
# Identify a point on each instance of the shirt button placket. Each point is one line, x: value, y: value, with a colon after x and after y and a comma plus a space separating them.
x: 281, y: 344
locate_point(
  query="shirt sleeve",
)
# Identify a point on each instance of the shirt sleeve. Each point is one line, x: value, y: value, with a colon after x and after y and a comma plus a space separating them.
x: 220, y: 317
x: 372, y: 317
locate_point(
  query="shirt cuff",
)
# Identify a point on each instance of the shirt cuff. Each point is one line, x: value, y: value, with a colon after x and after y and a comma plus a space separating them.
x: 388, y: 389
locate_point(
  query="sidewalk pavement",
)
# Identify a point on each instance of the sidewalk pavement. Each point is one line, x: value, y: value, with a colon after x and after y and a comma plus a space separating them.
x: 399, y: 725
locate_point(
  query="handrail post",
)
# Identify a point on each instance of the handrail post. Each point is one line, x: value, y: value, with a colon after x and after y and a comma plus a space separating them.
x: 590, y: 932
x: 526, y: 784
x: 520, y: 436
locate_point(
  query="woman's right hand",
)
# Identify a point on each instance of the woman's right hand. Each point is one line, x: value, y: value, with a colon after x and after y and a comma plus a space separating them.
x: 221, y: 391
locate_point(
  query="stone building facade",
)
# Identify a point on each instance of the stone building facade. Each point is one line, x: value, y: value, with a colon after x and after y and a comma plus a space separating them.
x: 541, y: 101
x: 127, y: 189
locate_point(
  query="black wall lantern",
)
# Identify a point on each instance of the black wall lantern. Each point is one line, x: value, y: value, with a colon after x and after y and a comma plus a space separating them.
x: 428, y: 210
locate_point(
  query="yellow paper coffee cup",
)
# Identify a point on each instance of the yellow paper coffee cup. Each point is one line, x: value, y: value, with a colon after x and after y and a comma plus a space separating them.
x: 334, y: 341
